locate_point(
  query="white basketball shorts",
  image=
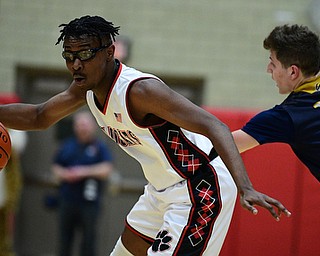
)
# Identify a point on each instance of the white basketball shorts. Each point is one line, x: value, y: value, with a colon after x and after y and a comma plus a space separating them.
x: 189, y: 218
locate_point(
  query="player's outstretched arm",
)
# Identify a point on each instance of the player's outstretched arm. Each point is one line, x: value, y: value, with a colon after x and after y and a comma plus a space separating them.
x: 21, y: 116
x: 154, y: 97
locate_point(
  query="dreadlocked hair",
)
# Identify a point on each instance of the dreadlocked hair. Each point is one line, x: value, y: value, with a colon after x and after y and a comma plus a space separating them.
x: 89, y: 26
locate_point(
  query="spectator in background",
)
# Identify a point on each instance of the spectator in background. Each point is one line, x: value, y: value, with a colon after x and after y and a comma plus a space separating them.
x: 10, y: 186
x: 81, y: 166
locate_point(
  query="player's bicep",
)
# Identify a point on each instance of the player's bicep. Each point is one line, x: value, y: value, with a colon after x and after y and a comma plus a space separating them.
x: 153, y: 97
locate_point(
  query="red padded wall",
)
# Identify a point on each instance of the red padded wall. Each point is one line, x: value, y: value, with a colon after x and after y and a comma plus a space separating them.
x: 276, y: 171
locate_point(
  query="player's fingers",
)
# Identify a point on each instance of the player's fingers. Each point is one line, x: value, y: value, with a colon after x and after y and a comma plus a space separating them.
x: 266, y: 202
x: 263, y: 203
x: 272, y: 211
x: 279, y: 206
x: 269, y: 203
x: 247, y: 205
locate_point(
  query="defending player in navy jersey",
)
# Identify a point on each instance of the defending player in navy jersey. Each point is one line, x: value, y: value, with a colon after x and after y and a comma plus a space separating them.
x: 294, y: 66
x: 187, y: 155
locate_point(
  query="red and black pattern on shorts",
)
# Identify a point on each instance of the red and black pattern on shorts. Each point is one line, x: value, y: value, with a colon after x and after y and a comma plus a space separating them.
x: 204, y: 193
x: 184, y: 156
x: 194, y: 165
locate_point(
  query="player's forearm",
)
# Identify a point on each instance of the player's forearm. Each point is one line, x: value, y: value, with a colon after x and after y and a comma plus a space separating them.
x: 19, y: 116
x: 238, y: 171
x: 244, y: 141
x: 241, y: 178
x: 228, y: 151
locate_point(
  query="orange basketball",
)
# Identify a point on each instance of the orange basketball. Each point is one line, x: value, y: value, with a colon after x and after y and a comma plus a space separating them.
x: 5, y: 146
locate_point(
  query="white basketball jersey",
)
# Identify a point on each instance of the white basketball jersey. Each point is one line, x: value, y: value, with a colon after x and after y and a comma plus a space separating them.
x: 167, y: 153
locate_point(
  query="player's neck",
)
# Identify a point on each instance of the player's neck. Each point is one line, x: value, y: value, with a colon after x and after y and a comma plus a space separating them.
x: 102, y: 91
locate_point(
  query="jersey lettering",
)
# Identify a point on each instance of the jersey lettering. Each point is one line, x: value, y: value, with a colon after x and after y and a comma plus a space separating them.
x: 124, y: 138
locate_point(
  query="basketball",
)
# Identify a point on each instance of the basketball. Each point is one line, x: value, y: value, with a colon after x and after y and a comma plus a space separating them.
x: 5, y: 146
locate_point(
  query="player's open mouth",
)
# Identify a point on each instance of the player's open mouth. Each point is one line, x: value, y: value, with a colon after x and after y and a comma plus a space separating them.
x: 78, y: 78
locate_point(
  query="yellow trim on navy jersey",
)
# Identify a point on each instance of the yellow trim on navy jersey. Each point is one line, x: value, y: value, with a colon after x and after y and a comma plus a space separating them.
x: 310, y: 86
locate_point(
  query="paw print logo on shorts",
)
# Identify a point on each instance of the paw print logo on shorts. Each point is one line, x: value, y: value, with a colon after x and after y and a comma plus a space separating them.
x: 162, y: 241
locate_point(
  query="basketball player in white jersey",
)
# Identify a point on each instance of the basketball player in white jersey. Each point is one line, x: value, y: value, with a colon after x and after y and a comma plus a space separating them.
x: 189, y: 158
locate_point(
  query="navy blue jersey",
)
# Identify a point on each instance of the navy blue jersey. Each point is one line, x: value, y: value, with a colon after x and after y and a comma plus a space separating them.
x: 72, y: 153
x: 296, y: 121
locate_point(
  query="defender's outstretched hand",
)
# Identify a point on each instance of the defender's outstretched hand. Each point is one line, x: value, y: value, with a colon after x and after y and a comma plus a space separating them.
x: 251, y: 197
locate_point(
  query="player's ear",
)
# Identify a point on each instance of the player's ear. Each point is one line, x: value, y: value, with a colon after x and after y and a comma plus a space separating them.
x: 110, y: 52
x: 294, y: 71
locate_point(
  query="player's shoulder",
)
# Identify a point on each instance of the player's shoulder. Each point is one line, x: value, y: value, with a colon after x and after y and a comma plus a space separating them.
x: 276, y: 115
x: 135, y: 75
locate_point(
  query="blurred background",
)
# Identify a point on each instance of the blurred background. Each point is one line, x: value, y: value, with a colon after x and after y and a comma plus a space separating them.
x: 208, y: 50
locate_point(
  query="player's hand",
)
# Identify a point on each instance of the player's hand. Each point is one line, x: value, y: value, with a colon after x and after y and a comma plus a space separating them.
x: 251, y: 197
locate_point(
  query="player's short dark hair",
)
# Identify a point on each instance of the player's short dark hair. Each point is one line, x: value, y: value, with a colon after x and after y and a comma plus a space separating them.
x: 94, y: 26
x: 295, y: 45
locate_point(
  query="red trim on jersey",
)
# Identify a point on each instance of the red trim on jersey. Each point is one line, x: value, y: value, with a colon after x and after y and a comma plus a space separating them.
x: 111, y: 88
